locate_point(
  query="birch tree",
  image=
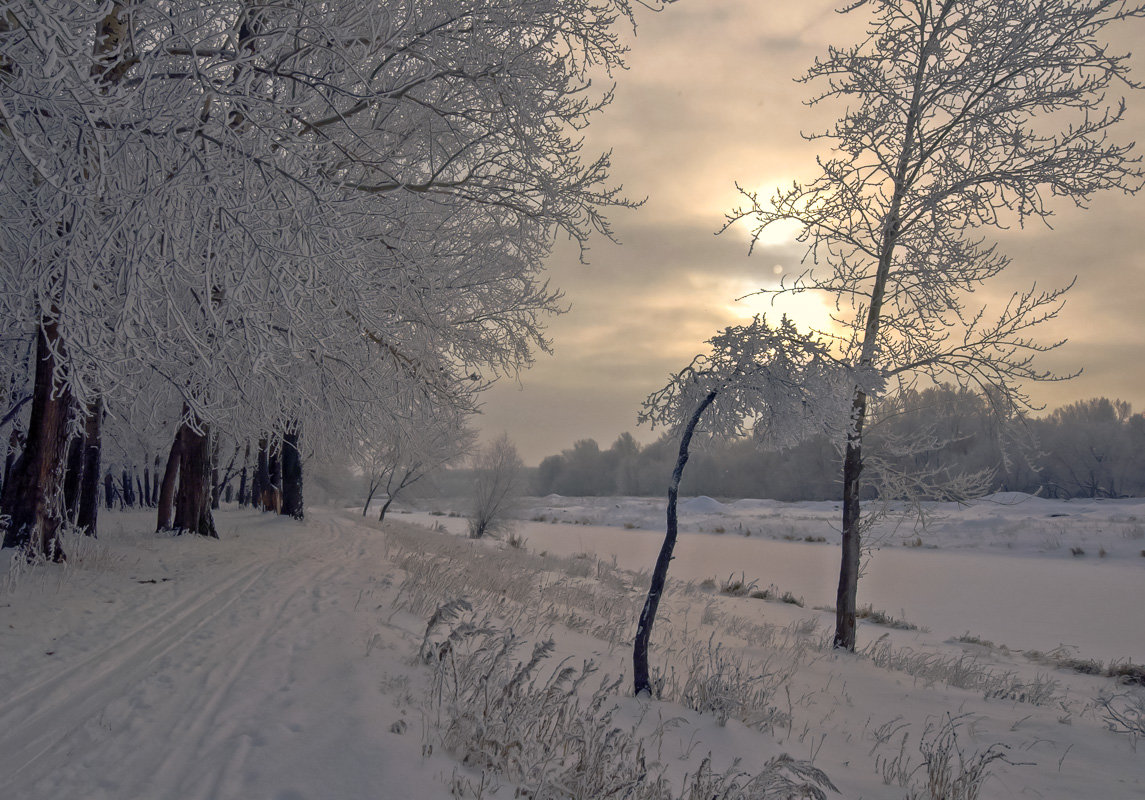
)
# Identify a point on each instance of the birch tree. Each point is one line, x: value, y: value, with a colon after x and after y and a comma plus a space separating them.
x: 959, y: 115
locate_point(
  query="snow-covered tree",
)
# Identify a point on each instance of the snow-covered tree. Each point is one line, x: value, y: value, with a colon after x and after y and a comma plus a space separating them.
x: 960, y: 114
x: 496, y: 487
x: 777, y: 384
x: 398, y: 458
x: 288, y: 210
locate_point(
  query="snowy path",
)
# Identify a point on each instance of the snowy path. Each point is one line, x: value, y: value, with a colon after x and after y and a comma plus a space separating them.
x: 230, y: 676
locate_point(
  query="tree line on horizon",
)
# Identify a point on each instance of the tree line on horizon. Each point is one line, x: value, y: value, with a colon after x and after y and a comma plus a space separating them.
x: 1090, y: 448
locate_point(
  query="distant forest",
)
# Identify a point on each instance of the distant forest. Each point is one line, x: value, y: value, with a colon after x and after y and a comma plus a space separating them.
x: 1092, y: 448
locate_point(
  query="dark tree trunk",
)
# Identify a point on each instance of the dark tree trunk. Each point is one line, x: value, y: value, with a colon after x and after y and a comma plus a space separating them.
x: 73, y: 476
x: 166, y: 504
x: 108, y: 489
x: 369, y: 497
x: 139, y: 491
x: 228, y: 493
x: 145, y: 490
x: 35, y: 486
x: 128, y: 488
x: 847, y: 597
x: 385, y: 508
x: 243, y: 498
x: 641, y: 677
x: 88, y: 513
x: 193, y: 500
x: 292, y: 505
x: 292, y: 474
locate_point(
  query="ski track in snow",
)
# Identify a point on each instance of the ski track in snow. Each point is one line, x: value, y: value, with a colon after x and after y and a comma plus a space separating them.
x: 201, y: 677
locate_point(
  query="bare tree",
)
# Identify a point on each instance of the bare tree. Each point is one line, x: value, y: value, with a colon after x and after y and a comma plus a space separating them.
x: 960, y: 114
x: 400, y: 459
x: 776, y: 383
x: 496, y: 487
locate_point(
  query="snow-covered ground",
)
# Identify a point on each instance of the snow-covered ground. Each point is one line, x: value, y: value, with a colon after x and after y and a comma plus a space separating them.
x: 292, y: 661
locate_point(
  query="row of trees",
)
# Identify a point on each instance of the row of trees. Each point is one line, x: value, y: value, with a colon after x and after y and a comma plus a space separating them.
x: 1091, y: 448
x: 230, y: 222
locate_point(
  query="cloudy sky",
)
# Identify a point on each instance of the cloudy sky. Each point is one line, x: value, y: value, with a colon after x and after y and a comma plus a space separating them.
x: 709, y: 99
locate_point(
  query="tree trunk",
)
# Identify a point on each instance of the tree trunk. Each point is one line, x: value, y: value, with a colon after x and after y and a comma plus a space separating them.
x: 847, y: 598
x: 166, y: 504
x: 292, y: 505
x: 385, y: 508
x: 274, y: 470
x: 154, y: 501
x: 243, y: 498
x: 35, y: 488
x: 261, y: 482
x: 145, y: 490
x: 108, y: 489
x: 193, y: 500
x: 128, y: 488
x: 88, y: 512
x: 640, y: 672
x: 369, y: 497
x: 73, y: 475
x: 215, y: 475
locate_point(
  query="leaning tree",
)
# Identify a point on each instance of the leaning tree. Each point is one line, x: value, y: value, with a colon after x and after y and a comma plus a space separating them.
x: 960, y: 115
x: 774, y: 383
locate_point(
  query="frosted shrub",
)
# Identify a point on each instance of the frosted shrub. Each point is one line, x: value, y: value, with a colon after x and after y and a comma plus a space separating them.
x: 951, y: 774
x: 718, y: 682
x: 1124, y: 713
x: 543, y: 729
x: 963, y: 672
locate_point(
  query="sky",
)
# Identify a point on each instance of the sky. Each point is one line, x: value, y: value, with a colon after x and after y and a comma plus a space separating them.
x: 709, y: 100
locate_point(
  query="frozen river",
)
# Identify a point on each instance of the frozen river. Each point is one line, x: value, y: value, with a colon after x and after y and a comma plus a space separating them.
x: 1026, y: 602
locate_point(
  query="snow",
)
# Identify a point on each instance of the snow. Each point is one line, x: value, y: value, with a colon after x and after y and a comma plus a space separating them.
x: 282, y: 661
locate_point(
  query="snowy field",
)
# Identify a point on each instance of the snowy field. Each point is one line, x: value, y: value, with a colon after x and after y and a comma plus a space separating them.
x: 1030, y: 573
x: 331, y: 660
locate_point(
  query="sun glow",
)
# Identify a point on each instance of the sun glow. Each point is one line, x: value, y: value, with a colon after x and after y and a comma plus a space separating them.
x: 808, y: 310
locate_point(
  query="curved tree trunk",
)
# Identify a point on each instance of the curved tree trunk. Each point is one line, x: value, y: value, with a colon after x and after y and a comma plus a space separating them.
x: 193, y: 499
x: 385, y: 508
x: 88, y: 512
x: 166, y: 504
x: 640, y: 672
x: 292, y: 505
x: 34, y: 490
